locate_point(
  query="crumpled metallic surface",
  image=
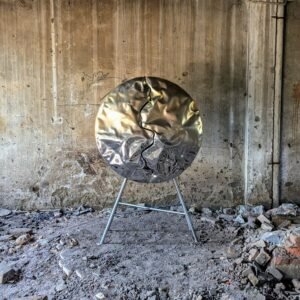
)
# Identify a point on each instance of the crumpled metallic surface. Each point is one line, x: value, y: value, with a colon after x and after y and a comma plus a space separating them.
x: 148, y: 129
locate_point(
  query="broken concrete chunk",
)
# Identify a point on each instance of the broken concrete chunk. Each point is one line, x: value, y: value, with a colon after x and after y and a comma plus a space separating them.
x: 228, y: 218
x: 60, y: 286
x: 239, y: 219
x: 259, y: 244
x: 267, y: 227
x: 253, y: 254
x: 4, y: 212
x: 294, y: 238
x: 210, y: 220
x: 287, y: 209
x: 58, y: 214
x: 275, y: 237
x: 7, y: 274
x: 82, y: 209
x: 23, y: 239
x: 68, y: 271
x: 262, y: 258
x: 253, y: 279
x: 247, y: 271
x: 100, y: 296
x: 248, y: 210
x: 193, y: 209
x: 279, y: 286
x: 274, y: 272
x: 232, y: 252
x: 294, y: 251
x: 284, y: 224
x: 287, y: 264
x: 296, y: 284
x: 263, y: 219
x: 238, y: 261
x: 206, y: 211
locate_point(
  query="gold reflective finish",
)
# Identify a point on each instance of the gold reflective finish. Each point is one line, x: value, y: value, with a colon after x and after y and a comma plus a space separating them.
x: 148, y: 129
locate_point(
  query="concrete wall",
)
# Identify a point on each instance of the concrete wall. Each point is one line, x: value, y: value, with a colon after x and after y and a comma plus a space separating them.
x: 59, y: 58
x: 290, y: 143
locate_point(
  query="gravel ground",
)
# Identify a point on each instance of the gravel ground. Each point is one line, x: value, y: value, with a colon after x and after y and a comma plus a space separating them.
x: 147, y: 255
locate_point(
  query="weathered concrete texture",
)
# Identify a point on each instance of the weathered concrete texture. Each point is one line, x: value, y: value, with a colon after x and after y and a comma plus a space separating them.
x: 59, y: 58
x: 290, y: 160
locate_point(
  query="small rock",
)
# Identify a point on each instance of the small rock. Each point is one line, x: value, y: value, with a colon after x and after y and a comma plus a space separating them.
x: 229, y: 211
x: 248, y: 210
x: 79, y: 273
x: 274, y: 272
x: 82, y: 210
x: 286, y: 209
x: 239, y: 219
x: 150, y: 293
x: 23, y: 239
x: 253, y: 279
x: 206, y: 211
x: 210, y: 220
x: 100, y: 296
x: 279, y: 286
x: 251, y: 222
x: 259, y: 244
x: 263, y: 219
x: 247, y: 271
x: 262, y: 258
x: 294, y: 238
x: 238, y: 261
x: 232, y: 252
x: 7, y: 274
x: 194, y: 209
x: 43, y: 242
x: 68, y: 271
x: 296, y: 284
x: 275, y: 237
x: 267, y: 227
x: 71, y: 242
x: 57, y: 214
x: 4, y: 212
x: 253, y: 254
x: 228, y: 218
x: 284, y: 224
x: 92, y: 266
x: 61, y: 285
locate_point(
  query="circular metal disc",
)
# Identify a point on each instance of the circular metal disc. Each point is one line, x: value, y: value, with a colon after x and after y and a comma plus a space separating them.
x: 148, y: 129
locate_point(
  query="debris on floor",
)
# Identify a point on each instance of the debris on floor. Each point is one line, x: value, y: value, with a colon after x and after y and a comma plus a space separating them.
x: 243, y: 253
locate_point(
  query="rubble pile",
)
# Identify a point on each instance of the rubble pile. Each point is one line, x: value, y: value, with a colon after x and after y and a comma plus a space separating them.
x: 268, y: 255
x: 244, y: 252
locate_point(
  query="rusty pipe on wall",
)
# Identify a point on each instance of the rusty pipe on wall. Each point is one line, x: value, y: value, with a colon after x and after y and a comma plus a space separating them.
x: 277, y: 106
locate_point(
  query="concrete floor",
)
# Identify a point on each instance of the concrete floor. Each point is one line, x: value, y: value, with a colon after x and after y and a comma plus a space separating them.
x: 148, y: 255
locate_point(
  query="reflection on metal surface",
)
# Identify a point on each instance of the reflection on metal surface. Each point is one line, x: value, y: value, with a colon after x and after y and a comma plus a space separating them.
x: 148, y: 129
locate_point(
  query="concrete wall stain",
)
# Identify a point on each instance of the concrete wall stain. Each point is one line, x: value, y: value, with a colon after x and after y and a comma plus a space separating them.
x: 200, y: 45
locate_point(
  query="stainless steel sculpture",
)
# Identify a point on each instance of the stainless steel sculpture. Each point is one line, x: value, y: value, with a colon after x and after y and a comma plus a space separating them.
x: 148, y: 129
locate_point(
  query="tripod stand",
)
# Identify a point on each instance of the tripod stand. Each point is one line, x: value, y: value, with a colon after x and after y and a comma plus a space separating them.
x: 117, y: 202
